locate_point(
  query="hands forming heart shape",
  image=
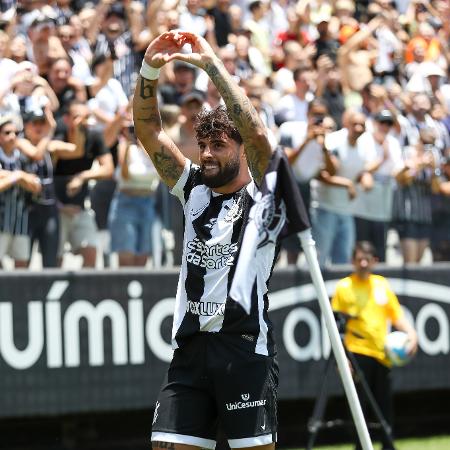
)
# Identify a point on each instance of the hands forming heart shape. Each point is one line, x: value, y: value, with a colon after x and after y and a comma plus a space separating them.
x: 169, y: 46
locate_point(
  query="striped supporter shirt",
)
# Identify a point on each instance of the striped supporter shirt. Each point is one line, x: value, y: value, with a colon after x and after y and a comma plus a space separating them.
x: 13, y: 201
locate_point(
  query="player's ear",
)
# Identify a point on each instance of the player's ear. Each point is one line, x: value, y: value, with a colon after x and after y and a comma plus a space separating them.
x: 242, y: 151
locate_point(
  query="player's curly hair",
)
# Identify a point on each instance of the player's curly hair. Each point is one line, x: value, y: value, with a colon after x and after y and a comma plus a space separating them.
x: 214, y: 123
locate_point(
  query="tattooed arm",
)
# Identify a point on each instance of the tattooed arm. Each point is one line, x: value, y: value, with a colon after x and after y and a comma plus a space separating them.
x: 253, y: 132
x: 167, y: 158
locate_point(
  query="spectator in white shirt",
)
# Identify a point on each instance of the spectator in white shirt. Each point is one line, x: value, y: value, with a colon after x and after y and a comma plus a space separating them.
x: 373, y: 207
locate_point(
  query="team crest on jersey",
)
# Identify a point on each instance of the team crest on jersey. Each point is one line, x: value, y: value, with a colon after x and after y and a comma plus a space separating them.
x: 235, y: 211
x: 269, y: 219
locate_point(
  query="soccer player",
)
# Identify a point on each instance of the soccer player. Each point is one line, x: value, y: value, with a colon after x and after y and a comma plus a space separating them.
x: 224, y: 371
x: 371, y: 305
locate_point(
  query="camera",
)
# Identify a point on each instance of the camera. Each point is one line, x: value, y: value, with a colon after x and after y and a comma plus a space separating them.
x: 317, y: 120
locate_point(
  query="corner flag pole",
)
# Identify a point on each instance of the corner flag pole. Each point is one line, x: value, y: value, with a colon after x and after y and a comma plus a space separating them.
x: 309, y: 249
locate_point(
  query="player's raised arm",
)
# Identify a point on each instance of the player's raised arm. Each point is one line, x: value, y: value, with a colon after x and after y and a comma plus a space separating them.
x: 240, y: 109
x: 167, y: 158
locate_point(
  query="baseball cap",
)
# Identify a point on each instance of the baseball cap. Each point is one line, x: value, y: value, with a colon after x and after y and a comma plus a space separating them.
x: 192, y: 96
x: 384, y: 116
x: 345, y: 5
x: 41, y: 18
x: 181, y: 65
x: 6, y: 118
x: 33, y: 115
x: 116, y: 9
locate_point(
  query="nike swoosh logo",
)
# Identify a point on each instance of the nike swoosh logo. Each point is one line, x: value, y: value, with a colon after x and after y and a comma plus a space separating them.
x: 199, y: 211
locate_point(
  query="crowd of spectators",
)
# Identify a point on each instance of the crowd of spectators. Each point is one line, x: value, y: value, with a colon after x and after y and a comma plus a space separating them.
x: 357, y: 92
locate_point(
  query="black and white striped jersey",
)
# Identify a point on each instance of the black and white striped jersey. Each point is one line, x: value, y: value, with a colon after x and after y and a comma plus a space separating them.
x: 14, y: 202
x: 230, y: 246
x: 126, y: 66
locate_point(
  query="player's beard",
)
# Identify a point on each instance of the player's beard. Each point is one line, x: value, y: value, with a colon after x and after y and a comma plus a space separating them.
x: 228, y: 172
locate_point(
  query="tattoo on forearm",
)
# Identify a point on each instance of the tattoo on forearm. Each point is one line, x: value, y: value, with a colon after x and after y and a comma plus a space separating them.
x: 211, y: 70
x: 241, y: 110
x: 166, y: 445
x: 255, y: 162
x: 147, y: 89
x: 243, y: 114
x: 237, y: 109
x: 166, y: 164
x: 149, y: 115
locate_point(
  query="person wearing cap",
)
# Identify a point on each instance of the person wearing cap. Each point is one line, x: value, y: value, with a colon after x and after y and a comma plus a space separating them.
x: 191, y: 104
x: 184, y: 76
x: 29, y: 90
x: 426, y: 78
x: 39, y: 127
x: 420, y: 117
x: 373, y: 207
x: 412, y: 206
x: 45, y: 45
x: 434, y: 75
x: 16, y: 183
x: 325, y: 44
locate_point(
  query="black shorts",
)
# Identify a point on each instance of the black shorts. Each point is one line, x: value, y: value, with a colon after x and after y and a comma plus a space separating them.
x: 213, y: 382
x: 413, y: 230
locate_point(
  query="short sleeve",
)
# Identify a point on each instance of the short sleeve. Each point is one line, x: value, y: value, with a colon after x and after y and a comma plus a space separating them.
x: 179, y: 190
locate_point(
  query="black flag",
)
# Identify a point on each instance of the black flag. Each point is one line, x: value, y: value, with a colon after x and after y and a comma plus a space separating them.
x: 278, y: 212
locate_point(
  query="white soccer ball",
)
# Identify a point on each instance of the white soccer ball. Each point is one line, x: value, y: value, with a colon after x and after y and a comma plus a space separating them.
x: 396, y: 348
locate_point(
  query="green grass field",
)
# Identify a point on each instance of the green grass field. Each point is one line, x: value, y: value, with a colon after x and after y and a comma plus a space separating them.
x: 432, y: 443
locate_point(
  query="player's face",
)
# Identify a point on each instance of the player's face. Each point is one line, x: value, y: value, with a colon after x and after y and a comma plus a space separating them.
x: 219, y: 160
x: 363, y: 262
